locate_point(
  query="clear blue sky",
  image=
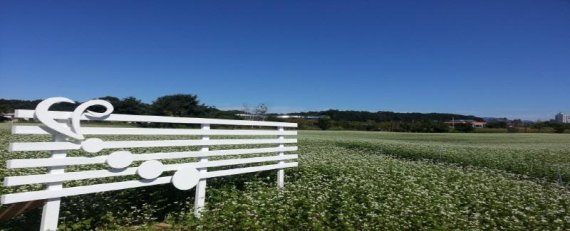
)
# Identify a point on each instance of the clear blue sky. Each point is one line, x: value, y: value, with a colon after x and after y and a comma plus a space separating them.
x: 488, y: 58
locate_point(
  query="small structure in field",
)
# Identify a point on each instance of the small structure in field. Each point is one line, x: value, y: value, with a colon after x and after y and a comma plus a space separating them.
x: 287, y: 116
x: 562, y: 118
x: 475, y: 124
x: 6, y: 116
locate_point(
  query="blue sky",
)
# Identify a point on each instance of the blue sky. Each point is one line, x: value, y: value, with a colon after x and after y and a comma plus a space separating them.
x: 488, y: 58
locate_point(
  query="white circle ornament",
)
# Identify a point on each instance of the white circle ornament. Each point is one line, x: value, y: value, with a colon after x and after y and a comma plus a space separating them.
x: 150, y: 169
x: 92, y: 145
x: 120, y: 159
x: 186, y: 178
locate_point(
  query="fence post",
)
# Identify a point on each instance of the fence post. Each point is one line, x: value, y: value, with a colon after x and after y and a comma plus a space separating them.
x: 200, y: 198
x: 281, y: 172
x: 50, y: 213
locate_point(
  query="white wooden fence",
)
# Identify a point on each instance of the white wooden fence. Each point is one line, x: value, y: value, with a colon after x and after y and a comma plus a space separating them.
x: 68, y: 135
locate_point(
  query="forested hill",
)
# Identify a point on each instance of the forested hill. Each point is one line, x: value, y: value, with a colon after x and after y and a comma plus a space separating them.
x: 8, y: 105
x: 182, y: 105
x: 189, y: 106
x: 385, y: 116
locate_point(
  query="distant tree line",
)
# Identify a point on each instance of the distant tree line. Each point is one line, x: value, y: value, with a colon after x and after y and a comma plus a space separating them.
x: 8, y: 105
x: 188, y: 105
x: 385, y: 116
x: 426, y: 126
x: 382, y: 121
x: 179, y: 105
x: 518, y: 125
x: 182, y: 105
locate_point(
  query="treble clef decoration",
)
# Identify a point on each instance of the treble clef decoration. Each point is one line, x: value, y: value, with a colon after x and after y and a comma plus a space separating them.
x: 43, y: 115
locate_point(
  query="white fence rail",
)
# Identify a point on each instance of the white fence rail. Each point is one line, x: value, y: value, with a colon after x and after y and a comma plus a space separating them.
x: 68, y: 135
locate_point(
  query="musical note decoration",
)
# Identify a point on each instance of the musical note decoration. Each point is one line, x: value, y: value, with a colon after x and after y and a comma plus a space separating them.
x: 68, y: 134
x: 150, y: 169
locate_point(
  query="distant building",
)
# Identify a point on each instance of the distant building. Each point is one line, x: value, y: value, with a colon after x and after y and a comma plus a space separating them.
x: 562, y: 118
x: 289, y: 117
x: 248, y: 116
x: 7, y: 116
x: 475, y: 124
x: 301, y: 117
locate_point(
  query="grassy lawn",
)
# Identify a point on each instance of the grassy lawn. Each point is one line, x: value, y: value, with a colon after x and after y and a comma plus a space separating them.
x: 355, y: 181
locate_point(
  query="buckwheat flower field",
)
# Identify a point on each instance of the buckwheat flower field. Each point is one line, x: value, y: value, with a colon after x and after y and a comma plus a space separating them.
x: 354, y: 181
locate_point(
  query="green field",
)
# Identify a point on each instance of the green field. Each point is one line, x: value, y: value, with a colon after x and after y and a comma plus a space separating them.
x: 357, y: 181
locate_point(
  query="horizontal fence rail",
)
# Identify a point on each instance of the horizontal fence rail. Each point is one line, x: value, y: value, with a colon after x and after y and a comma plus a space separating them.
x: 60, y: 115
x: 69, y: 176
x: 265, y: 146
x: 67, y: 161
x: 42, y: 130
x: 45, y: 194
x: 50, y: 146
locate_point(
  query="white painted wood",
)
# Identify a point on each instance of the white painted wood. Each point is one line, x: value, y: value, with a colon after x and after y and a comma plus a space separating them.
x: 93, y: 145
x: 43, y: 146
x: 186, y: 178
x: 93, y: 174
x: 150, y: 169
x: 47, y: 194
x: 237, y: 171
x: 62, y: 115
x: 42, y: 130
x: 43, y: 115
x: 44, y: 194
x: 50, y: 212
x: 281, y: 172
x: 200, y: 194
x: 76, y: 115
x: 120, y: 159
x: 49, y: 162
x: 46, y: 162
x: 52, y: 146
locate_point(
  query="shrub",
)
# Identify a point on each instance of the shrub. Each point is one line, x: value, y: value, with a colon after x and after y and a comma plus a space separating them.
x: 464, y: 128
x: 324, y: 123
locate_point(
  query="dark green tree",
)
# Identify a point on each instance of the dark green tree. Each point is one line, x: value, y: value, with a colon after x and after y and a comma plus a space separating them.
x: 132, y: 105
x: 4, y: 108
x: 558, y: 127
x: 181, y: 105
x: 324, y: 123
x: 464, y: 128
x: 539, y: 126
x: 113, y: 100
x: 497, y: 124
x: 129, y: 105
x: 116, y: 102
x: 370, y: 125
x: 439, y: 127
